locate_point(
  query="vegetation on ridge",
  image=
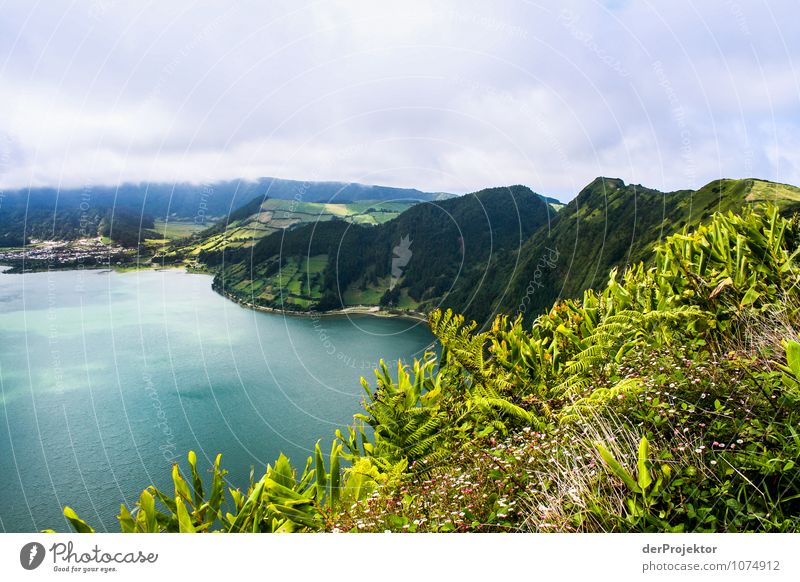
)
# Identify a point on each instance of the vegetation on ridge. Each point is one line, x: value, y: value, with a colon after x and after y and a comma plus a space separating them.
x: 667, y: 401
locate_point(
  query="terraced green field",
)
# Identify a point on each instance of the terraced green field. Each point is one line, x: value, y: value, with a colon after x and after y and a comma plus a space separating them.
x: 274, y: 215
x: 174, y: 229
x: 297, y: 282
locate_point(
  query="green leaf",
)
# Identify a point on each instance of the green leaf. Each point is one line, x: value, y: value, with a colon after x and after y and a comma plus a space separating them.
x: 184, y: 521
x: 77, y: 523
x: 126, y: 522
x: 217, y: 489
x: 298, y: 516
x: 617, y: 469
x: 793, y: 357
x: 197, y: 482
x: 644, y: 478
x: 181, y: 488
x: 335, y: 474
x: 750, y: 297
x: 147, y: 509
x: 321, y: 476
x: 283, y: 472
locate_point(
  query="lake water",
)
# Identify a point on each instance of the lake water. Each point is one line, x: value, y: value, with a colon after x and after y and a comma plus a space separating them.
x: 107, y: 378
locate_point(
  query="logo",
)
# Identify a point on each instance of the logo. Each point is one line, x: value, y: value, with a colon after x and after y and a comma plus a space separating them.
x: 402, y: 256
x: 31, y: 555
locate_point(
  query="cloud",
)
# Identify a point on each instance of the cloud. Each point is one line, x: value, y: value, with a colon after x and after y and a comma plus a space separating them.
x: 448, y: 96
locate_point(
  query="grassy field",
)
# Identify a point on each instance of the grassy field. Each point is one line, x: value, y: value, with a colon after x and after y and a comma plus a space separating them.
x: 295, y: 283
x: 175, y: 229
x: 275, y: 215
x: 772, y: 191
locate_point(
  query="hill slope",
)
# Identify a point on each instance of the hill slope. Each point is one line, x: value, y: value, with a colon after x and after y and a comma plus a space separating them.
x: 412, y: 261
x: 260, y: 218
x: 611, y: 224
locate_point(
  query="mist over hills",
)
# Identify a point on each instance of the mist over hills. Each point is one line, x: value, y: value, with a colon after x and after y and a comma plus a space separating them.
x: 53, y: 213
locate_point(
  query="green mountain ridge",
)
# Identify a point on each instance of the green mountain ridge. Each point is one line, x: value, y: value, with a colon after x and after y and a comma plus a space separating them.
x: 611, y: 224
x: 412, y: 261
x: 499, y: 250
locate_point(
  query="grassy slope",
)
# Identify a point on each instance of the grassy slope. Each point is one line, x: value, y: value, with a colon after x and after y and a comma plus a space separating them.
x: 259, y: 218
x: 274, y: 215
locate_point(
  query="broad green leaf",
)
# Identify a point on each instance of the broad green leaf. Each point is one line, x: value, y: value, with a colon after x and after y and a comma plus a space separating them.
x: 793, y: 357
x: 335, y: 474
x: 644, y: 478
x: 147, y: 509
x: 184, y: 521
x: 321, y: 476
x: 750, y: 297
x: 77, y: 523
x: 126, y: 522
x: 181, y: 487
x: 217, y: 488
x: 197, y: 482
x: 617, y: 469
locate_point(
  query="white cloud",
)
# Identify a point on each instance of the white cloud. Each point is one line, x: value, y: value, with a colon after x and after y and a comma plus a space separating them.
x: 447, y: 96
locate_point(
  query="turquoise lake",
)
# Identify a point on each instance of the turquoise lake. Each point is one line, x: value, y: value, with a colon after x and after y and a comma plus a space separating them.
x: 108, y: 378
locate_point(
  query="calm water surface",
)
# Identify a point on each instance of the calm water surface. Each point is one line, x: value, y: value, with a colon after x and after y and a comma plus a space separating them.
x: 107, y: 378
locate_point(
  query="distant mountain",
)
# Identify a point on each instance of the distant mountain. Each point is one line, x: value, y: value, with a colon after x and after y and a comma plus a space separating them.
x: 413, y: 261
x: 56, y: 213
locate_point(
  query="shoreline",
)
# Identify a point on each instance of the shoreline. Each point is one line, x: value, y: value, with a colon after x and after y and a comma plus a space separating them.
x: 373, y: 311
x: 357, y: 310
x: 15, y: 269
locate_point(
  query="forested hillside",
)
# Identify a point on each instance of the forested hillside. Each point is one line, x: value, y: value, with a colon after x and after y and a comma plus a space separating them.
x: 609, y: 224
x: 412, y: 261
x: 122, y: 225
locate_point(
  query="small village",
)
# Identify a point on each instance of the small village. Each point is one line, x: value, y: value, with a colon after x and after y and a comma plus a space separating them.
x: 40, y: 253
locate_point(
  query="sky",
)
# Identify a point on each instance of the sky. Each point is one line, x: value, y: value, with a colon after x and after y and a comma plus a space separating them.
x: 437, y: 95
